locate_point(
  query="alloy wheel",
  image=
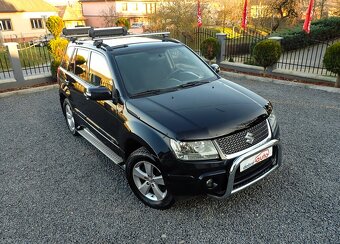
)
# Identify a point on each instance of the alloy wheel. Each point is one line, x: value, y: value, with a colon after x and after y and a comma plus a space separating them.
x: 149, y: 181
x: 69, y: 117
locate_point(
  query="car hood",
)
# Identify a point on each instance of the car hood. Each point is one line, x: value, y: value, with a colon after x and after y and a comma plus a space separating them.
x: 206, y: 111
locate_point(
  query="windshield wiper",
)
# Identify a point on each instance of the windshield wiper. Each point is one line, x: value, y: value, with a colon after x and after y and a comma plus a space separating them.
x: 192, y: 83
x: 148, y: 92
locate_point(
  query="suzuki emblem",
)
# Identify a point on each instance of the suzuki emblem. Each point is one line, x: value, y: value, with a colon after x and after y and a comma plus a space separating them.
x: 250, y: 138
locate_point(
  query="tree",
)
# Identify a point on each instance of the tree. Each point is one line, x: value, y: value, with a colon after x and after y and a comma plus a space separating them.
x: 175, y: 14
x: 110, y: 16
x: 57, y: 45
x: 229, y: 13
x: 320, y: 5
x: 55, y: 25
x: 123, y: 22
x: 267, y: 52
x: 210, y: 47
x: 282, y: 11
x: 331, y: 61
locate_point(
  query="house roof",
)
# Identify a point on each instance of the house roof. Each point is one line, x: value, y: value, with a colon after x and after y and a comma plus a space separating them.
x: 12, y: 6
x: 71, y: 12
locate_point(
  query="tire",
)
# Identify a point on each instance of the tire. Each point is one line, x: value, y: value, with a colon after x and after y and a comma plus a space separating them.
x: 146, y: 180
x: 70, y: 121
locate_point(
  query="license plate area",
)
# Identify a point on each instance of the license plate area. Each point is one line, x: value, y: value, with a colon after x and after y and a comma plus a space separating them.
x: 255, y: 159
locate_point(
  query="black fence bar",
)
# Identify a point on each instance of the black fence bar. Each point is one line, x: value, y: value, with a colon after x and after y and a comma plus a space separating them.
x: 308, y: 59
x: 5, y: 66
x: 239, y: 47
x: 35, y: 58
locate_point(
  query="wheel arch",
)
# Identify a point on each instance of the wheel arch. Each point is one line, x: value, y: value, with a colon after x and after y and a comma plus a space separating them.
x: 142, y: 135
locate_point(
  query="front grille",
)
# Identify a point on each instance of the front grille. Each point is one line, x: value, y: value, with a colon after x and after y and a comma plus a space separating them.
x: 237, y: 142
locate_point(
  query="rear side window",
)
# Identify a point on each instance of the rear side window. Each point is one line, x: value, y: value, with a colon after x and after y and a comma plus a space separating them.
x: 99, y: 73
x: 67, y: 59
x: 81, y: 63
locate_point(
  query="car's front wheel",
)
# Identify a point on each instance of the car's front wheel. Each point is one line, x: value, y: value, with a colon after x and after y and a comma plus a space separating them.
x: 146, y: 180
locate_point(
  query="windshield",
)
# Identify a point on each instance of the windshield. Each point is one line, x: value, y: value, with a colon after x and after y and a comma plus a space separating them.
x: 161, y: 70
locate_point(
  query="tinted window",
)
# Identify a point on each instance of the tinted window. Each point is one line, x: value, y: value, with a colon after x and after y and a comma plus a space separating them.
x: 81, y: 60
x: 162, y: 69
x: 67, y: 58
x: 99, y: 74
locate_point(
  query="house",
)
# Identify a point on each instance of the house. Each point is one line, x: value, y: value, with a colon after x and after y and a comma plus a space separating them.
x: 24, y: 20
x: 72, y: 14
x: 101, y: 13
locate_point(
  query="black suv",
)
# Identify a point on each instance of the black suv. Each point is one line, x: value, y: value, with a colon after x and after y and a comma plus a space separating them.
x: 155, y: 108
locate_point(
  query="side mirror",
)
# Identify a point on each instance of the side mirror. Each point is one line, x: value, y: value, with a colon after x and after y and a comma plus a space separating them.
x: 215, y: 67
x: 98, y: 93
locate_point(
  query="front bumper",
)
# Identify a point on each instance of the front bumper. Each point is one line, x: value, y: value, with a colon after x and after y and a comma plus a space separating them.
x: 221, y: 179
x: 274, y: 162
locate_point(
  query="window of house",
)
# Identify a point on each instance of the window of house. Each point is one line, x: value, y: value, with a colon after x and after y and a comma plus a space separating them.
x: 124, y: 6
x: 37, y: 24
x: 99, y: 73
x: 6, y: 25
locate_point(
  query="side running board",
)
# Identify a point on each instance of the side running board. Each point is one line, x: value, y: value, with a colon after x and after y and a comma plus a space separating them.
x: 101, y: 146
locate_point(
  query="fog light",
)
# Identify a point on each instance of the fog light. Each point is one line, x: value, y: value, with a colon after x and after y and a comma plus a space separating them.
x: 210, y: 183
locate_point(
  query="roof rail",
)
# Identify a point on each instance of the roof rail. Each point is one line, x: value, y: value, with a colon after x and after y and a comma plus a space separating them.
x: 98, y: 34
x: 163, y: 34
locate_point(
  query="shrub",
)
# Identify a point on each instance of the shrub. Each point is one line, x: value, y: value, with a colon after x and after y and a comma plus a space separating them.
x: 210, y: 47
x: 321, y: 30
x: 57, y: 45
x: 331, y: 60
x: 124, y: 22
x: 267, y: 52
x: 57, y: 48
x: 55, y: 25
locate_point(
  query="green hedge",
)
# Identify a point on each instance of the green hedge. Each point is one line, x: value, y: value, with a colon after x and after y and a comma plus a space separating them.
x: 321, y: 30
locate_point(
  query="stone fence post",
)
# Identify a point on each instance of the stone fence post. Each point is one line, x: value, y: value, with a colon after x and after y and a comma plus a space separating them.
x: 278, y: 39
x: 221, y: 37
x: 15, y: 60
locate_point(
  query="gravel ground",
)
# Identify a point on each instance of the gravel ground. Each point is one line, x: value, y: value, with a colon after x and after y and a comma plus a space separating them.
x: 58, y: 188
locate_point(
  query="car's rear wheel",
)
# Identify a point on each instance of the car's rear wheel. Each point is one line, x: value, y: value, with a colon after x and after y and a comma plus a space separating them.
x: 70, y: 121
x: 146, y: 180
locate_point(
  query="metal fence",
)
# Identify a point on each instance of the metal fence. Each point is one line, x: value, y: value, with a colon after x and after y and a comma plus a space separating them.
x: 238, y: 48
x: 193, y: 38
x: 5, y: 66
x: 308, y: 59
x: 34, y: 58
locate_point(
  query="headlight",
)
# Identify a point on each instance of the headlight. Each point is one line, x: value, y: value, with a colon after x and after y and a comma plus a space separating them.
x: 272, y: 120
x: 198, y: 150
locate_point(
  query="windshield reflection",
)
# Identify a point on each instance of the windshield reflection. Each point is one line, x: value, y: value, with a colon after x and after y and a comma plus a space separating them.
x: 159, y: 70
